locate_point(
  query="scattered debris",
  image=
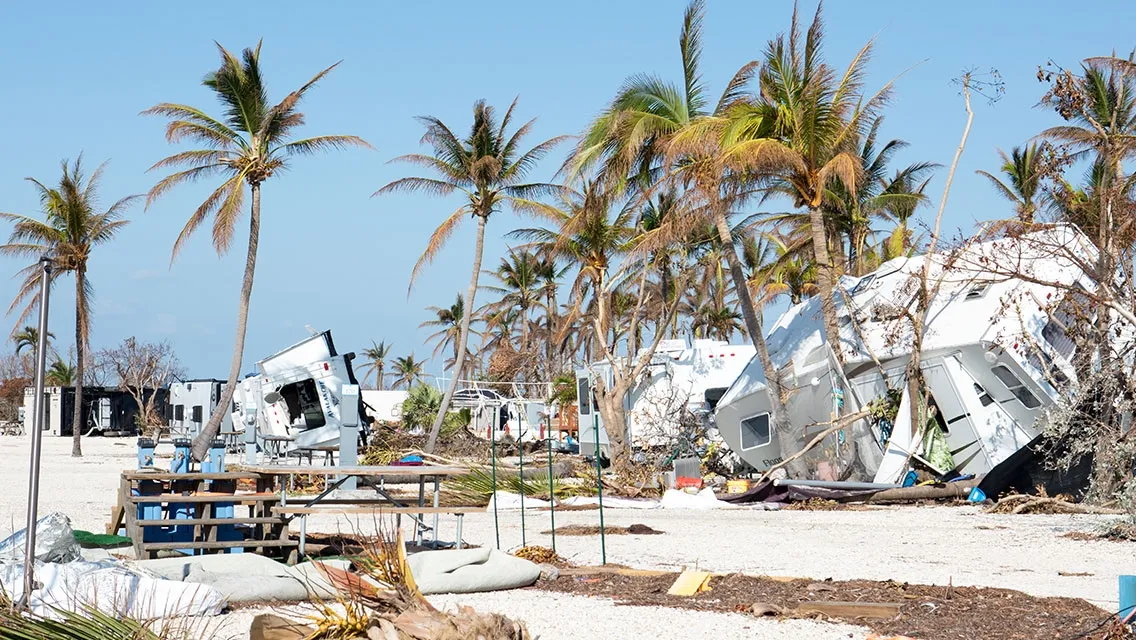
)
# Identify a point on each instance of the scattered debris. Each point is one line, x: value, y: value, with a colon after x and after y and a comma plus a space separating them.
x: 539, y: 555
x: 583, y: 530
x: 851, y: 610
x: 1075, y: 574
x: 814, y: 504
x: 1020, y: 503
x: 1123, y: 531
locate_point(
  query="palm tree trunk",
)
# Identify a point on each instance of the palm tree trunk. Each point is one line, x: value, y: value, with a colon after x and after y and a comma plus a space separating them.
x: 213, y: 427
x: 463, y: 337
x: 379, y: 375
x: 826, y: 281
x: 80, y: 354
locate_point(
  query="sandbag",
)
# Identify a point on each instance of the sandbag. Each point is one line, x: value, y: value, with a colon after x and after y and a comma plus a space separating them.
x: 54, y: 542
x: 470, y: 571
x: 245, y: 577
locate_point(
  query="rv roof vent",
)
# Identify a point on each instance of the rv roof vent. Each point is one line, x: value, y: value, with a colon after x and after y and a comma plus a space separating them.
x: 863, y: 284
x: 978, y: 290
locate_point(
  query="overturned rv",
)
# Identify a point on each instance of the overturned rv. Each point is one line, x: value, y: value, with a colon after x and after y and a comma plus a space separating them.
x: 996, y: 354
x: 295, y: 398
x: 682, y: 379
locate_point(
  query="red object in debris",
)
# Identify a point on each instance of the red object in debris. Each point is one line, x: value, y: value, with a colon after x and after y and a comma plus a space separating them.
x: 683, y: 483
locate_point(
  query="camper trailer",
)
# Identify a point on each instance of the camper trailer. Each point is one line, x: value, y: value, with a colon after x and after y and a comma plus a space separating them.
x: 191, y: 403
x: 682, y: 379
x: 296, y: 394
x: 106, y: 410
x: 499, y: 417
x: 995, y: 351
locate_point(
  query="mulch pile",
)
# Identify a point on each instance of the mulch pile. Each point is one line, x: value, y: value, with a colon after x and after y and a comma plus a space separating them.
x: 581, y: 530
x: 927, y: 612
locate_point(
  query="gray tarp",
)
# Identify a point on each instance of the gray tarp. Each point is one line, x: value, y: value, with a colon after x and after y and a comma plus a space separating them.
x: 470, y: 571
x: 245, y: 577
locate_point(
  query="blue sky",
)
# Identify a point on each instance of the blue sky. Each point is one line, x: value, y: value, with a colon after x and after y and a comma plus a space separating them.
x: 76, y: 75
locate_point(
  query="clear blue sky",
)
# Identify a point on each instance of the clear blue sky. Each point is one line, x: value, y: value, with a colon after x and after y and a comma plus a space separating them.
x: 76, y: 74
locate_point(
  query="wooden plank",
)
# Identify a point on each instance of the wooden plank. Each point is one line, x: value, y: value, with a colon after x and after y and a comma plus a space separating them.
x: 248, y: 544
x: 205, y: 521
x: 690, y: 582
x: 374, y: 471
x: 206, y: 497
x: 228, y: 475
x: 117, y: 516
x: 851, y: 610
x: 377, y: 510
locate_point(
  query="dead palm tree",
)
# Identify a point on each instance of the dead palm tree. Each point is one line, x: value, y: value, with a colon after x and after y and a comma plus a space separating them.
x: 376, y: 356
x: 249, y: 144
x: 1023, y: 172
x: 71, y: 229
x: 488, y: 168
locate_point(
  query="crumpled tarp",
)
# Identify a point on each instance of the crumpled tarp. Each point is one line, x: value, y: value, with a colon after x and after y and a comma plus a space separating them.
x: 470, y: 571
x: 612, y: 502
x: 54, y: 541
x: 767, y: 492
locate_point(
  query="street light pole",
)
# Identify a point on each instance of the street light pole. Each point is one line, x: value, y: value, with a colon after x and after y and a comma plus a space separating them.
x: 45, y: 265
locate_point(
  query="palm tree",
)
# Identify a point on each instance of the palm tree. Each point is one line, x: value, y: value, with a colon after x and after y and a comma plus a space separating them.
x: 1023, y: 171
x: 802, y: 131
x: 449, y: 324
x: 249, y: 144
x: 71, y: 229
x: 28, y: 338
x: 63, y: 374
x: 407, y: 371
x: 376, y: 356
x: 488, y: 169
x: 520, y: 286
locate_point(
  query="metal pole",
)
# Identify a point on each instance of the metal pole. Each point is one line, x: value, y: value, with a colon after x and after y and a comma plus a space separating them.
x: 37, y: 433
x: 551, y: 497
x: 599, y: 486
x: 493, y: 459
x: 521, y: 450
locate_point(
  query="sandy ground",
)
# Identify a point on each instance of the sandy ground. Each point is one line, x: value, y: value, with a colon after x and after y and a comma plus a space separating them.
x: 932, y: 545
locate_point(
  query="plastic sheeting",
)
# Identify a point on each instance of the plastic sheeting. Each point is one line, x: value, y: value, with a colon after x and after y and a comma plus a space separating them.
x: 705, y: 499
x: 54, y: 541
x: 509, y: 500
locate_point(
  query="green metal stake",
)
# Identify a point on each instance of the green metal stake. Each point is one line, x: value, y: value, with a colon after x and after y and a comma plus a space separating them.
x: 599, y: 488
x: 521, y: 450
x: 493, y: 458
x: 551, y: 498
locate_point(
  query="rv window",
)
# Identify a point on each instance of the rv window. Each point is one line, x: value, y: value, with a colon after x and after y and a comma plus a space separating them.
x: 1073, y: 307
x: 983, y: 397
x: 755, y: 431
x: 1015, y: 386
x: 304, y: 407
x: 179, y: 412
x: 978, y: 290
x: 583, y: 390
x: 863, y: 284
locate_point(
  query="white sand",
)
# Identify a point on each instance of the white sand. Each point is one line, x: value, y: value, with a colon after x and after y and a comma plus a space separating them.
x: 931, y: 545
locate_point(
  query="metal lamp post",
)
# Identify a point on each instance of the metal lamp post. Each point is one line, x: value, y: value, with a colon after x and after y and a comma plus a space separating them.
x: 45, y: 265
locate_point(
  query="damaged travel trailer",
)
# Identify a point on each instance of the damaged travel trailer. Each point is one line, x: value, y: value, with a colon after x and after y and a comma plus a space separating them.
x: 296, y: 395
x: 682, y: 379
x: 190, y: 404
x: 996, y: 354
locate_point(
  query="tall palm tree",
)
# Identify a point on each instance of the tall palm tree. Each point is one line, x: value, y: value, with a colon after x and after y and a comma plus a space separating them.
x: 63, y: 374
x: 71, y: 229
x: 488, y: 168
x: 803, y: 130
x: 376, y: 356
x: 28, y: 338
x: 249, y: 144
x: 406, y: 371
x: 448, y: 322
x: 1023, y: 172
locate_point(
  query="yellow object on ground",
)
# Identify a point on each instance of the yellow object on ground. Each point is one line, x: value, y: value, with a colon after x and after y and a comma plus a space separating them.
x: 690, y: 582
x: 737, y: 486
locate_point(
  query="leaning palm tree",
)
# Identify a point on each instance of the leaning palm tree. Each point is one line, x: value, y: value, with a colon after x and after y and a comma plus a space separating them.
x: 488, y: 168
x: 249, y: 144
x: 376, y: 356
x: 28, y: 338
x: 71, y: 229
x: 1022, y: 169
x: 406, y: 371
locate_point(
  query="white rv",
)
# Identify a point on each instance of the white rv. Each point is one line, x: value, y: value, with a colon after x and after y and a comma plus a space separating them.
x: 296, y: 394
x: 995, y: 352
x: 681, y: 379
x: 191, y: 403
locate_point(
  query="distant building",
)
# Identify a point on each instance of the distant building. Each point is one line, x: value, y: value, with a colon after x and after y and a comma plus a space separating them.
x: 106, y: 410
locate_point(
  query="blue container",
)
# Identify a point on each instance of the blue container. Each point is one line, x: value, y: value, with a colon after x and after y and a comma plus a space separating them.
x: 145, y: 453
x: 1127, y: 596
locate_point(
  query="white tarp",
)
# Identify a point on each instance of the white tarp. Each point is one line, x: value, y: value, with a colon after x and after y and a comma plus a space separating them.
x: 705, y: 499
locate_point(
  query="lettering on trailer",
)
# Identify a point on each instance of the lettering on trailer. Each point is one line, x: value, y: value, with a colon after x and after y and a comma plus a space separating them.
x: 327, y: 399
x: 772, y: 461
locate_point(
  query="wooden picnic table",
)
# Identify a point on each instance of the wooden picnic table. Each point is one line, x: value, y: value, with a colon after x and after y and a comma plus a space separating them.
x: 368, y: 474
